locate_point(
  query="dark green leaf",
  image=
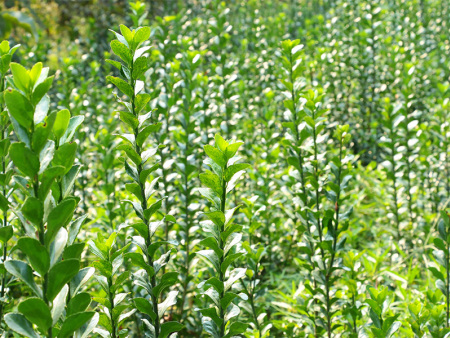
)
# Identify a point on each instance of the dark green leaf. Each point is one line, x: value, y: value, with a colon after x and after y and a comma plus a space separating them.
x: 24, y: 159
x: 37, y: 312
x: 37, y: 254
x: 61, y: 274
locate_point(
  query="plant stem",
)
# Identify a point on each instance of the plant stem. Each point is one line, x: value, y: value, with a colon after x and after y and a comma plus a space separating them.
x: 111, y: 301
x: 221, y: 246
x: 147, y: 221
x: 394, y: 179
x: 187, y: 213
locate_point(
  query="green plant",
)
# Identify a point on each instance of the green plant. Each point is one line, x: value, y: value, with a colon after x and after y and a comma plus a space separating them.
x: 224, y: 237
x: 48, y: 243
x: 322, y: 223
x: 442, y: 256
x: 384, y: 325
x: 111, y: 280
x: 419, y: 318
x: 254, y: 285
x: 214, y: 66
x: 134, y: 63
x: 185, y: 136
x: 389, y: 145
x: 6, y: 231
x: 353, y: 278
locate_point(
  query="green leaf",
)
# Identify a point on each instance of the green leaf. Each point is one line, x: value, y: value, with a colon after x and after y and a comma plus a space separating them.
x: 20, y: 324
x: 232, y: 149
x: 79, y: 303
x: 116, y: 64
x: 148, y: 213
x: 37, y: 312
x: 33, y: 210
x: 235, y: 329
x: 210, y: 256
x: 127, y: 34
x: 167, y: 280
x: 141, y: 101
x: 69, y: 180
x: 80, y: 279
x: 36, y: 253
x: 144, y: 133
x: 220, y: 142
x: 169, y: 327
x: 59, y: 304
x: 211, y: 243
x: 233, y: 169
x: 142, y: 34
x: 235, y: 275
x: 42, y: 89
x: 41, y: 134
x: 228, y: 260
x: 140, y: 66
x: 35, y: 73
x: 212, y: 181
x: 139, y: 261
x: 129, y: 119
x: 48, y: 177
x: 61, y: 123
x: 19, y: 108
x: 212, y: 313
x: 5, y: 60
x: 65, y: 156
x: 24, y: 272
x: 61, y: 274
x: 144, y: 306
x: 59, y: 217
x: 121, y: 51
x: 74, y: 322
x: 74, y: 251
x: 227, y: 299
x: 231, y: 241
x: 74, y: 123
x: 216, y: 284
x: 6, y: 233
x: 170, y: 300
x: 123, y: 86
x: 217, y: 217
x: 4, y: 146
x: 103, y: 267
x: 4, y: 203
x: 216, y: 155
x: 21, y: 77
x: 131, y: 153
x: 24, y: 159
x: 46, y: 155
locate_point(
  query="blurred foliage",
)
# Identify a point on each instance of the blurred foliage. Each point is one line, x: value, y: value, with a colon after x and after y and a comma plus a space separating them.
x: 339, y: 226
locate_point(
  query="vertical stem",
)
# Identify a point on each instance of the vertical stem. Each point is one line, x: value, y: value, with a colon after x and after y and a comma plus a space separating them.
x: 111, y: 301
x: 186, y: 206
x: 302, y: 177
x: 42, y: 240
x: 408, y: 166
x: 147, y: 221
x: 394, y: 179
x: 221, y: 246
x: 335, y: 238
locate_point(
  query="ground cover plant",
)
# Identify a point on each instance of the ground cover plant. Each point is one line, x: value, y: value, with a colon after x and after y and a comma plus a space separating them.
x: 207, y: 168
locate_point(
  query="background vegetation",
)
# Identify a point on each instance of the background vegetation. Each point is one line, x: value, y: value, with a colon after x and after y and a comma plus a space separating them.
x: 200, y: 168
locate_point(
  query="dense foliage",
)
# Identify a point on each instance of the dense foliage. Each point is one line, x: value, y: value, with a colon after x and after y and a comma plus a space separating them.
x: 243, y: 168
